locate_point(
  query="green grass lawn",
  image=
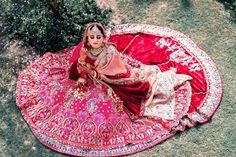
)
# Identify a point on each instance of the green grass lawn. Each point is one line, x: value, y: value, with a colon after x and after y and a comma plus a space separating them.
x: 205, y: 22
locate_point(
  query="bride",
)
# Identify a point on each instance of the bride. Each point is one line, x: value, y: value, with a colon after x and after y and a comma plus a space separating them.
x: 136, y: 87
x: 119, y: 91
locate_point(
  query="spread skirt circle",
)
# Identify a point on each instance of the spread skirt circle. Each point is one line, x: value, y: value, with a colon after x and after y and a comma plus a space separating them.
x: 186, y: 90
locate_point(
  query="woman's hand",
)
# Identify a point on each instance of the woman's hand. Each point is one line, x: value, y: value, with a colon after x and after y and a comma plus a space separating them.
x: 79, y: 69
x: 83, y: 54
x: 86, y: 70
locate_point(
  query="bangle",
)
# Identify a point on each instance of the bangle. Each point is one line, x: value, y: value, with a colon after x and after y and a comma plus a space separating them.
x: 81, y: 62
x: 94, y: 74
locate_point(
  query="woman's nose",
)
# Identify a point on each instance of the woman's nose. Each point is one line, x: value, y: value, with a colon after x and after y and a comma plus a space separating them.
x: 93, y: 40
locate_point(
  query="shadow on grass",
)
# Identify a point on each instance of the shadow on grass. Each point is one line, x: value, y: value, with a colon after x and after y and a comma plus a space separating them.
x: 3, y: 42
x: 230, y: 5
x: 3, y: 61
x: 187, y: 129
x: 186, y: 4
x: 144, y: 1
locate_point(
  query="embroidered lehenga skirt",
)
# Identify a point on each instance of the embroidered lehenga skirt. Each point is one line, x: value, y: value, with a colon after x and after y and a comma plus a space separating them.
x: 90, y: 125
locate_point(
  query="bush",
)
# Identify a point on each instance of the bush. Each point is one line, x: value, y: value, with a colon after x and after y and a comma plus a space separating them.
x: 50, y: 25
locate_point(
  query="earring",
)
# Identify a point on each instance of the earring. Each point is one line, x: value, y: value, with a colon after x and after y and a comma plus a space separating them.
x: 104, y: 42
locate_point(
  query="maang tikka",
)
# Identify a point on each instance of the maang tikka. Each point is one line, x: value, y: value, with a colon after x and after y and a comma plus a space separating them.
x: 95, y: 30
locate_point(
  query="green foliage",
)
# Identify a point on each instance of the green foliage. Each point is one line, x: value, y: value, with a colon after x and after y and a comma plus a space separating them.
x: 50, y: 25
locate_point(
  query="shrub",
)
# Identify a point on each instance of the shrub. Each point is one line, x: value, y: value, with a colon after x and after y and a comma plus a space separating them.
x: 50, y: 25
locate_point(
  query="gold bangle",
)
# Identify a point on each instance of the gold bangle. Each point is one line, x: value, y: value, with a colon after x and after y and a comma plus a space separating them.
x: 94, y: 74
x: 81, y: 62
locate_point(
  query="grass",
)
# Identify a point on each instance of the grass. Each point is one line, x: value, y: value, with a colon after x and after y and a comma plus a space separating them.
x: 205, y: 22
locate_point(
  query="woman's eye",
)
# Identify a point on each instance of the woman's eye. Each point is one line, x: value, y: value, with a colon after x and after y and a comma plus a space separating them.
x: 91, y: 37
x: 98, y: 37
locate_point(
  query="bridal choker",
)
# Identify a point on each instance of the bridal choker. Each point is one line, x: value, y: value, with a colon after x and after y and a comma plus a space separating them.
x: 96, y: 52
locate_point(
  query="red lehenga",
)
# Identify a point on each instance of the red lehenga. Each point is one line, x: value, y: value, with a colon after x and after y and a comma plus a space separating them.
x: 169, y: 83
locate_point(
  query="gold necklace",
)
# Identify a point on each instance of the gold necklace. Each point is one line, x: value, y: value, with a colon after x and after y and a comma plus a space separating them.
x: 96, y: 52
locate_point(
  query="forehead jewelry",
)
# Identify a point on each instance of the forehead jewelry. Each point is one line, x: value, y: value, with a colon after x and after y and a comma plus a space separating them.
x: 95, y: 30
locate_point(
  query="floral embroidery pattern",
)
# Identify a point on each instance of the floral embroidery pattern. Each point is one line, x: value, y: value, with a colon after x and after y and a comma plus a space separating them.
x: 90, y: 126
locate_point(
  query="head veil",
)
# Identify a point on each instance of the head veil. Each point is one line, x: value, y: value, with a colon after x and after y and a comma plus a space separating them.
x: 76, y: 51
x: 100, y: 27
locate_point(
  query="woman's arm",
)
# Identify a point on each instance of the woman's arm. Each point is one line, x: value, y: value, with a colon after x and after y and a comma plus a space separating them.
x: 72, y: 71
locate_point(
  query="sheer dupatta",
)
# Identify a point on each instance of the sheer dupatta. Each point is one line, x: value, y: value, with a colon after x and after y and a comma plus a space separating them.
x: 117, y: 75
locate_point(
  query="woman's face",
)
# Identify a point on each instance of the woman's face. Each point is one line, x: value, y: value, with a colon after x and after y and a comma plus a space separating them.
x: 95, y: 37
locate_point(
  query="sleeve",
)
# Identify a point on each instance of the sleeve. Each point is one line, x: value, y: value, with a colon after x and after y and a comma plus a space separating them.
x: 76, y: 52
x: 72, y: 71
